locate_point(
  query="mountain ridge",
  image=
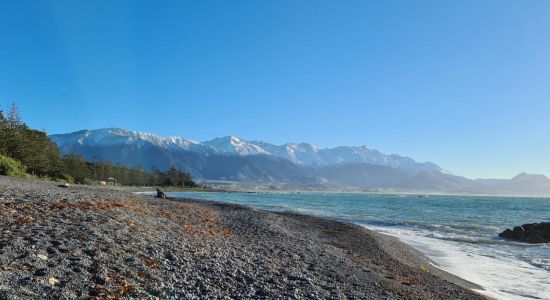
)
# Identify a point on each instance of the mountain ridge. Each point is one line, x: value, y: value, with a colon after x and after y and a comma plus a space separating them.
x: 300, y: 153
x: 300, y: 165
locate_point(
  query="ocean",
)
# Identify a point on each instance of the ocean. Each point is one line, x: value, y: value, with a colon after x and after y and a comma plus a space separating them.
x: 459, y: 233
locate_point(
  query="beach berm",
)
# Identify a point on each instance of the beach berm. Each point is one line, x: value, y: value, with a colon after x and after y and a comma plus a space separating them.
x: 96, y: 242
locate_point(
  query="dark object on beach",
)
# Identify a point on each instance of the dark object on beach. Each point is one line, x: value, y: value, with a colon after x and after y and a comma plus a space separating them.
x: 534, y: 233
x: 161, y: 194
x: 65, y: 185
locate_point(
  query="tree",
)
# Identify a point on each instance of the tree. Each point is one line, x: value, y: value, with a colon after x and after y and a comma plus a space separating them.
x: 76, y: 167
x: 14, y: 117
x: 14, y: 135
x: 172, y: 177
x: 31, y: 147
x: 3, y: 133
x: 38, y: 155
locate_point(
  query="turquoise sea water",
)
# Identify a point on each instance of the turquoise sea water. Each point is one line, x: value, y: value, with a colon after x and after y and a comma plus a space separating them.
x: 460, y: 233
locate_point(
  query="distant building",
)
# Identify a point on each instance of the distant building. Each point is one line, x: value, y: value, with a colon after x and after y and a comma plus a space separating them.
x: 111, y: 181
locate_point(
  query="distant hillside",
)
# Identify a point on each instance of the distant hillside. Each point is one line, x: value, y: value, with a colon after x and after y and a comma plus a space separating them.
x: 302, y: 154
x: 372, y: 176
x: 300, y: 164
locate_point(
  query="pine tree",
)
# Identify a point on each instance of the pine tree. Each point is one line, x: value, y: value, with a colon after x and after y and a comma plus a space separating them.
x: 40, y: 156
x: 14, y: 117
x: 3, y: 133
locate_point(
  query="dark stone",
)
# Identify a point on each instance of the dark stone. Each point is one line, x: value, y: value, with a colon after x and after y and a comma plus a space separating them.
x: 93, y: 292
x: 90, y: 252
x: 161, y: 194
x: 40, y: 272
x: 26, y: 281
x: 99, y: 280
x: 534, y: 233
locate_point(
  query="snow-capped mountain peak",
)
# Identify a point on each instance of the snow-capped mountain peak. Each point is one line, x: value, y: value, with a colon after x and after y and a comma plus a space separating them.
x: 298, y: 153
x: 234, y: 146
x: 117, y: 136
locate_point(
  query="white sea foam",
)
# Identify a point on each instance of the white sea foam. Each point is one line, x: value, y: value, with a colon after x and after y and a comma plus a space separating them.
x: 149, y: 193
x: 502, y: 275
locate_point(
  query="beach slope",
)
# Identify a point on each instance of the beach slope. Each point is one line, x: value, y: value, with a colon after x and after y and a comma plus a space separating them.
x: 91, y: 242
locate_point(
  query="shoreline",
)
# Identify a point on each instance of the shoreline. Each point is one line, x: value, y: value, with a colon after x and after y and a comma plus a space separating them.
x: 478, y: 266
x: 149, y: 189
x: 420, y: 194
x: 101, y: 242
x: 475, y: 256
x: 420, y: 254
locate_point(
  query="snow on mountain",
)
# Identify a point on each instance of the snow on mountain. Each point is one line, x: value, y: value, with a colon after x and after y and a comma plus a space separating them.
x: 351, y: 154
x: 234, y: 159
x: 303, y: 153
x: 234, y: 146
x: 116, y: 136
x: 309, y: 155
x: 300, y: 153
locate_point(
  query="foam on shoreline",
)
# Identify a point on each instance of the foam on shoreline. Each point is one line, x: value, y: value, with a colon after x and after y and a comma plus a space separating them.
x: 501, y: 276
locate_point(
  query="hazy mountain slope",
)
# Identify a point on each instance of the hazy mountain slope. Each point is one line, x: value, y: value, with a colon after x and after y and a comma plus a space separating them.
x: 309, y: 155
x: 379, y: 177
x: 351, y: 154
x: 300, y: 153
x: 373, y: 176
x: 254, y: 168
x: 361, y: 175
x: 303, y: 153
x: 122, y: 147
x: 231, y: 145
x: 522, y: 184
x: 146, y: 156
x: 234, y: 159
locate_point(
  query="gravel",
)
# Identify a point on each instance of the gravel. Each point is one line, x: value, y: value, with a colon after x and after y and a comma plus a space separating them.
x: 91, y: 242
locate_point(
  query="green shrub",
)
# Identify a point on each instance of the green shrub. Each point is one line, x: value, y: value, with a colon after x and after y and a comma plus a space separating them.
x: 32, y: 176
x: 65, y: 178
x: 68, y: 178
x: 87, y: 181
x: 11, y: 167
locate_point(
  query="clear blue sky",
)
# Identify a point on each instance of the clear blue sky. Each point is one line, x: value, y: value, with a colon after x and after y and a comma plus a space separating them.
x: 465, y: 84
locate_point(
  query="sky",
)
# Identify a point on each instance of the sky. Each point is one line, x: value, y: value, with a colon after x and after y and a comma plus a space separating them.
x: 464, y: 84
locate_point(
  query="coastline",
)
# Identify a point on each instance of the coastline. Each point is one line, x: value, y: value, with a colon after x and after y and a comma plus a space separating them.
x: 139, y: 246
x: 448, y: 230
x: 479, y: 266
x: 150, y: 189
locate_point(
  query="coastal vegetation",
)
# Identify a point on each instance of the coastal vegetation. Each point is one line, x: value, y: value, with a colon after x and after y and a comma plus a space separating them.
x: 85, y: 172
x: 27, y: 152
x: 11, y: 167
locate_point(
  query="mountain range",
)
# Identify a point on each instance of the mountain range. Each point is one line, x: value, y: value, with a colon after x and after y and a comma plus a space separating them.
x: 294, y: 165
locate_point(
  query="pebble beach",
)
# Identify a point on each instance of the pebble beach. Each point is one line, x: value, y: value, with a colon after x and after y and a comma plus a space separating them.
x: 98, y: 243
